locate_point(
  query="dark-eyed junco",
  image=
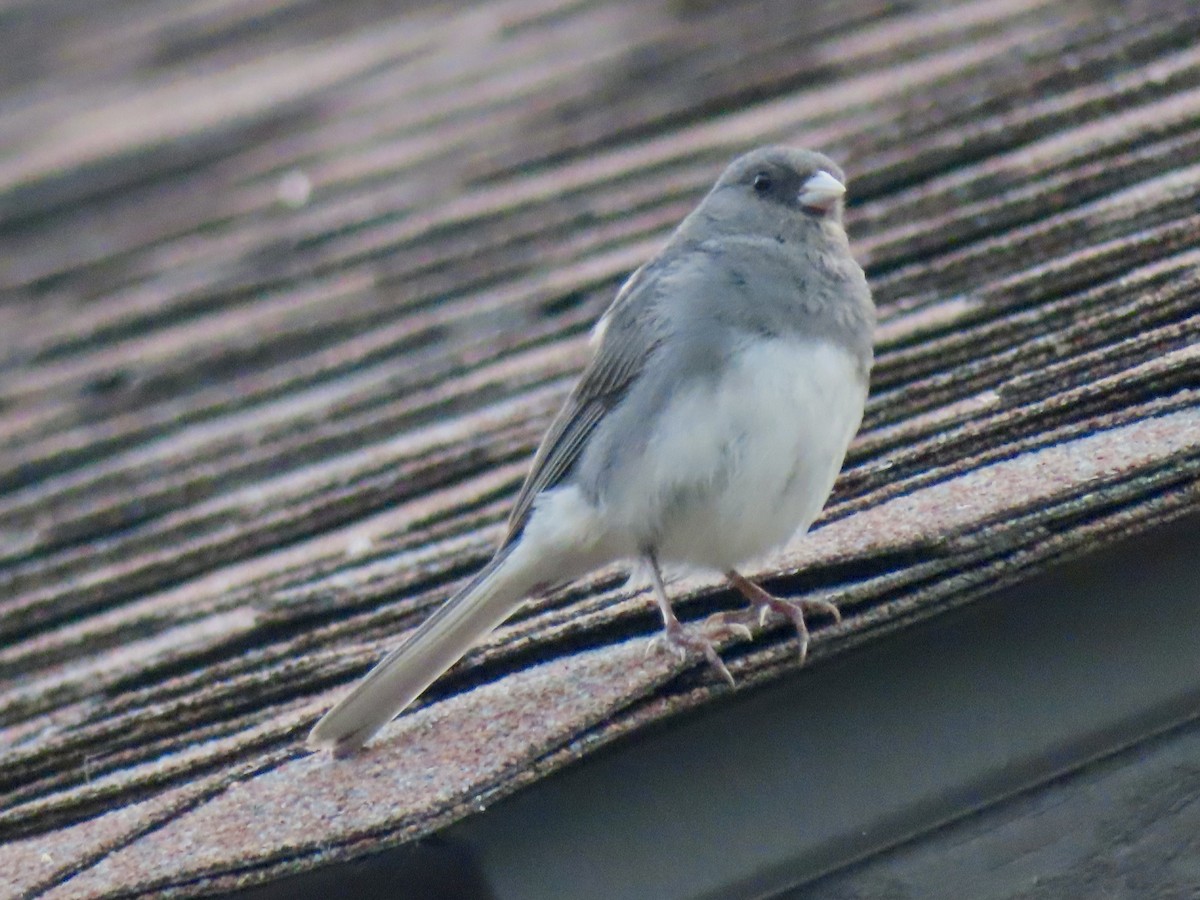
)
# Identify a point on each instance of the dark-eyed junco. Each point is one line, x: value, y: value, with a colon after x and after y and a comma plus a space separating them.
x: 728, y: 378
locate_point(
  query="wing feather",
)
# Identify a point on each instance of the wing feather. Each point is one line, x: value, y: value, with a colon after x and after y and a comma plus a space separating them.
x: 625, y: 342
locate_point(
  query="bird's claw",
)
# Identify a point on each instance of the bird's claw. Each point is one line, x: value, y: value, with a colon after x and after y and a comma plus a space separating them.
x: 728, y: 623
x: 794, y: 611
x: 680, y: 641
x: 762, y: 602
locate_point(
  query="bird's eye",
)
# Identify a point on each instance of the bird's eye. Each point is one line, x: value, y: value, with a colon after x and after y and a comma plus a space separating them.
x: 762, y: 182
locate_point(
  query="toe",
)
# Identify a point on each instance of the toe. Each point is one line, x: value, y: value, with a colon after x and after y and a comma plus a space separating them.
x: 803, y: 648
x: 714, y: 660
x: 726, y: 624
x: 681, y: 641
x: 669, y: 643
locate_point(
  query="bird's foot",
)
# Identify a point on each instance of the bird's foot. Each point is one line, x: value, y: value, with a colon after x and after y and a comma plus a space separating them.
x: 731, y: 623
x: 763, y: 603
x: 681, y: 641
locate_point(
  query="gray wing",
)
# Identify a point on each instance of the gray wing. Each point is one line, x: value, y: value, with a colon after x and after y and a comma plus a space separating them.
x: 627, y: 336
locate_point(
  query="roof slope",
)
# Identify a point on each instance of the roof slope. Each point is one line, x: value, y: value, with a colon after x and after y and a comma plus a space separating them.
x: 291, y: 290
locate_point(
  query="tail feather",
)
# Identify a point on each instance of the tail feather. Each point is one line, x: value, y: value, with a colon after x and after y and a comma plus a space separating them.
x: 434, y: 647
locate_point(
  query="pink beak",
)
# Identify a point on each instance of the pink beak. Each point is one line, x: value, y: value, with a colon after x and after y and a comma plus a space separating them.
x: 821, y: 191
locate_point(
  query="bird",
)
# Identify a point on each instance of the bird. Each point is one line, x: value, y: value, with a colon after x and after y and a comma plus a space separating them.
x: 727, y: 379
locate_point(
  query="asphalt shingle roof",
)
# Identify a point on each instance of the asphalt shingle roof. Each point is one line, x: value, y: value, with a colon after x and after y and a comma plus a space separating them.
x: 291, y: 290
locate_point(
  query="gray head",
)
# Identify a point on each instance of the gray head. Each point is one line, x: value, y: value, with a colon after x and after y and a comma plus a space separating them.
x: 780, y: 190
x: 778, y: 210
x: 799, y: 181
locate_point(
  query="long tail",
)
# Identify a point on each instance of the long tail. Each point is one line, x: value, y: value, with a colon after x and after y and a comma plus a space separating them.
x: 437, y: 644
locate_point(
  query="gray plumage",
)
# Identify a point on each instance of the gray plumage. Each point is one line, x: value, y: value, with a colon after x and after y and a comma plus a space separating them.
x: 729, y: 376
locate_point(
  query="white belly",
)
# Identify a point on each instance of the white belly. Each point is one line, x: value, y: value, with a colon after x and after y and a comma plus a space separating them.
x: 730, y: 476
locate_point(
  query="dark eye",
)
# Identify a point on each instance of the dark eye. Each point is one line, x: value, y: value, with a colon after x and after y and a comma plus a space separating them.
x: 762, y: 182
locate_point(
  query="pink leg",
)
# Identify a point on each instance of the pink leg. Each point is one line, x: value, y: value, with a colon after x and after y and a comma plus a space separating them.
x: 675, y: 637
x: 762, y: 603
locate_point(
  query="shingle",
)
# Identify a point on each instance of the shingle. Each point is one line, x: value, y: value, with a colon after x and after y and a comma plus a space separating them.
x: 248, y: 437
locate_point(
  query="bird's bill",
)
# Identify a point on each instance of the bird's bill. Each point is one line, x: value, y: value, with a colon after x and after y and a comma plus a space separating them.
x: 821, y: 192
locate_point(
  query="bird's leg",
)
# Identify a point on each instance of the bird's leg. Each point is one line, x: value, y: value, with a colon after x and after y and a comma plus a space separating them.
x: 762, y: 603
x: 675, y: 637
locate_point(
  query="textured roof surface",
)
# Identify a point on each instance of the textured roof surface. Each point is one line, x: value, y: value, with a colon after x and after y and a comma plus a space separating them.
x: 291, y: 289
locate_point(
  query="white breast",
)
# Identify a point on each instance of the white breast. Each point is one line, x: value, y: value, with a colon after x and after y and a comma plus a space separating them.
x: 733, y: 474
